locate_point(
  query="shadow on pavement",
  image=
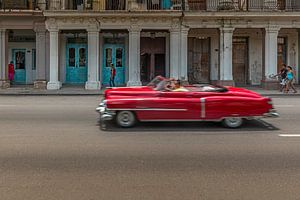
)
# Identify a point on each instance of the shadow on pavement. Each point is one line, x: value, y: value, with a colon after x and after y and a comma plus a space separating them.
x: 249, y: 125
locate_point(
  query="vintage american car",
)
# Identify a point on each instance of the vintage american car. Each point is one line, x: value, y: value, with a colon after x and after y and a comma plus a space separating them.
x: 203, y: 102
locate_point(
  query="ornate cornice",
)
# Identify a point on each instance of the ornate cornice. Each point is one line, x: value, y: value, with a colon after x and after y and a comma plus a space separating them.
x: 90, y: 24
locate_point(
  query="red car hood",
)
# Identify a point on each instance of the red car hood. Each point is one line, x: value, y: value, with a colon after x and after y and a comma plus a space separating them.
x: 242, y: 91
x: 129, y: 91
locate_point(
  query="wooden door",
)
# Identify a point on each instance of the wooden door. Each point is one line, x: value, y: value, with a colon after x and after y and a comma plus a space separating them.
x: 159, y: 65
x: 198, y: 60
x: 240, y: 61
x: 152, y: 58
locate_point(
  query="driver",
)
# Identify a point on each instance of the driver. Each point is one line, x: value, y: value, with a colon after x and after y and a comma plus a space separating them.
x: 179, y: 88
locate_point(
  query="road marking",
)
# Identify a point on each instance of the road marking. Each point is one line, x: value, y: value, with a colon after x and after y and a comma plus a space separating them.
x: 289, y: 135
x: 286, y: 106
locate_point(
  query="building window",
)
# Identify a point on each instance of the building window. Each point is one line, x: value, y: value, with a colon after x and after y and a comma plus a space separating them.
x: 119, y: 57
x: 72, y: 57
x: 108, y: 57
x: 82, y: 57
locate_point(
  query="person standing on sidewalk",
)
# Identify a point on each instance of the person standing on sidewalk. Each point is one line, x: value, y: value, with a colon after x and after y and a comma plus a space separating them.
x: 290, y: 80
x: 282, y: 77
x: 11, y: 71
x: 112, y: 75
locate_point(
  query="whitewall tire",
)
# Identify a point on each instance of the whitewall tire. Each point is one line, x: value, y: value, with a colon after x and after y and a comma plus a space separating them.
x: 232, y: 122
x: 125, y: 119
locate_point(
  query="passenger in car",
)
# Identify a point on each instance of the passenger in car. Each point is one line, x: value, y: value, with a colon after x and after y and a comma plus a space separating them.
x: 170, y: 84
x: 179, y: 88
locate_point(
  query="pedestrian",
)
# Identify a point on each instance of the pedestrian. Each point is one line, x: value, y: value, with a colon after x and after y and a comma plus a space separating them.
x: 112, y: 75
x: 11, y: 71
x: 290, y: 80
x: 282, y: 77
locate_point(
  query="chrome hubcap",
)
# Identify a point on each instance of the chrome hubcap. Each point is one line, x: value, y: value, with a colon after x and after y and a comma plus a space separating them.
x: 125, y: 118
x: 233, y: 122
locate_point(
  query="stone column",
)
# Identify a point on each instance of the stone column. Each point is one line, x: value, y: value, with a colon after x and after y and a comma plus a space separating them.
x: 226, y: 75
x: 134, y: 56
x: 175, y: 53
x: 93, y: 82
x: 40, y: 82
x: 184, y: 53
x: 167, y: 57
x: 270, y: 57
x: 54, y: 84
x: 4, y: 83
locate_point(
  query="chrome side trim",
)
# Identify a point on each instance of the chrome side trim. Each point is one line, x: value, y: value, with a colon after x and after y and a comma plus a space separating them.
x: 147, y: 109
x: 202, y: 107
x: 272, y: 114
x: 106, y: 117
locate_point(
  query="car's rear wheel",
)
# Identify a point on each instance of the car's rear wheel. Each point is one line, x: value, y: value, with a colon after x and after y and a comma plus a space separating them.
x: 125, y: 119
x: 233, y: 122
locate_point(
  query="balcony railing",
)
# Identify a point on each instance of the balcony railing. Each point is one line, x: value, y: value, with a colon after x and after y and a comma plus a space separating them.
x: 19, y: 4
x: 243, y: 5
x: 158, y: 4
x: 188, y: 5
x: 98, y: 5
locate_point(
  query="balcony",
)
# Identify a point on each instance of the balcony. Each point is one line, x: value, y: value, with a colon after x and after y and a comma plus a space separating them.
x: 19, y: 4
x: 243, y: 5
x: 148, y: 5
x: 100, y: 5
x: 156, y: 5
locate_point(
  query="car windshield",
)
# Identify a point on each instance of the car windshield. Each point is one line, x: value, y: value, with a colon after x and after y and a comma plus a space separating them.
x: 160, y: 83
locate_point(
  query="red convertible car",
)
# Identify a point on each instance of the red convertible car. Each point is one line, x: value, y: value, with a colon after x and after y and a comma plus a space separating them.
x: 157, y: 102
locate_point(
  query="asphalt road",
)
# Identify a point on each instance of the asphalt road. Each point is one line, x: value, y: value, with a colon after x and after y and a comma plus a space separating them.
x: 52, y: 148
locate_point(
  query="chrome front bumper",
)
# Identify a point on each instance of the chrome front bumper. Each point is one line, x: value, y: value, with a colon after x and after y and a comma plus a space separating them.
x: 272, y: 113
x: 105, y: 114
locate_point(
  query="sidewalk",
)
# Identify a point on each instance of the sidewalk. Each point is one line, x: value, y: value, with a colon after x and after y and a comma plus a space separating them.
x: 270, y: 93
x: 65, y: 90
x: 79, y: 90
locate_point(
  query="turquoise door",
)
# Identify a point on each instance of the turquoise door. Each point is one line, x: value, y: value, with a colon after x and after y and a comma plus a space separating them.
x: 113, y: 53
x: 20, y: 65
x: 76, y: 66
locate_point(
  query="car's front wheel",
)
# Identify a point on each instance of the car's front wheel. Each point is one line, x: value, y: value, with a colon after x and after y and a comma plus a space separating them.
x: 125, y: 119
x: 233, y: 122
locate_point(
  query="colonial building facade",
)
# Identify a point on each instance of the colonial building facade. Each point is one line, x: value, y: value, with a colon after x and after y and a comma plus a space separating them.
x: 232, y: 42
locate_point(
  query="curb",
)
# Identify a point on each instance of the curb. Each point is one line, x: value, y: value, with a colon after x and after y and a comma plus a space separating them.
x: 22, y: 92
x: 100, y: 94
